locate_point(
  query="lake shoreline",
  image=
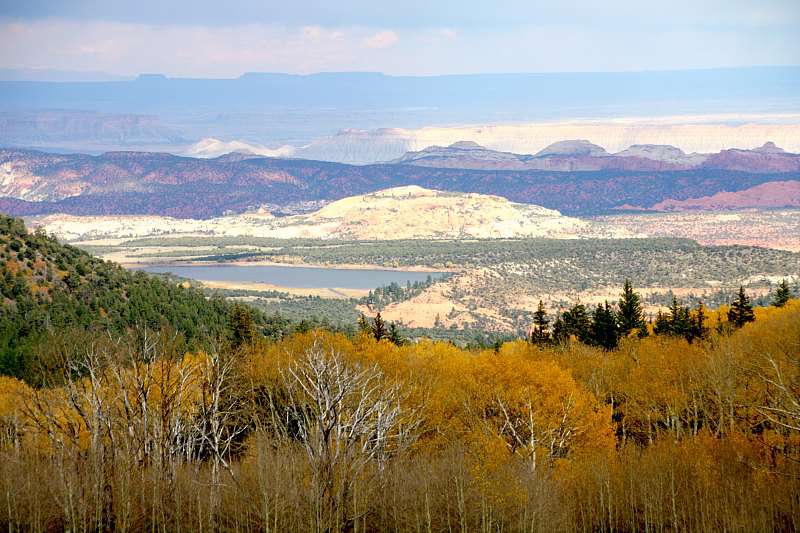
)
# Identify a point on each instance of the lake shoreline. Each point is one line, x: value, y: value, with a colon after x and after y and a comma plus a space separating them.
x: 328, y: 266
x: 328, y: 281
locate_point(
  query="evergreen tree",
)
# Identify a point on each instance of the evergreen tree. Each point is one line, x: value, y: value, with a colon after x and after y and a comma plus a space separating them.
x: 631, y: 315
x: 363, y: 325
x: 680, y: 322
x: 242, y: 326
x: 379, y: 328
x: 540, y: 334
x: 698, y: 328
x: 577, y: 322
x: 394, y: 335
x: 782, y: 294
x: 560, y: 333
x: 662, y: 324
x: 605, y: 331
x: 741, y: 311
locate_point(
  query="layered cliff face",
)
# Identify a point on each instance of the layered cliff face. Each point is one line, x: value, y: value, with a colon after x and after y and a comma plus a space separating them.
x: 577, y: 155
x: 690, y: 134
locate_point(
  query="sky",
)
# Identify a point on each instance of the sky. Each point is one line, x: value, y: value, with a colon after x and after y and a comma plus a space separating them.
x: 205, y: 38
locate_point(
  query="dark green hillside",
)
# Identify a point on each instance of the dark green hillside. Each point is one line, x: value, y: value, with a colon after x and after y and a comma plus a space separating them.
x: 47, y: 287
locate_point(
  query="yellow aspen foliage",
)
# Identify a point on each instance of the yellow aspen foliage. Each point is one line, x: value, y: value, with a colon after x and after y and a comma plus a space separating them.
x: 13, y: 394
x: 537, y: 408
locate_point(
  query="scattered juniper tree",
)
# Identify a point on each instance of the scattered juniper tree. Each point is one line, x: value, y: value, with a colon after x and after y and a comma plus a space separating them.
x: 631, y: 315
x: 741, y: 311
x: 540, y: 334
x: 782, y: 294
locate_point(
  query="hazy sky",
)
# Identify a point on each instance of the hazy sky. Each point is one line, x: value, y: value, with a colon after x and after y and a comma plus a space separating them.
x: 205, y: 38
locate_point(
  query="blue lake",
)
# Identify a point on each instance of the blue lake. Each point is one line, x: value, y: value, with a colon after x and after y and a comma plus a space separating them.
x: 296, y: 277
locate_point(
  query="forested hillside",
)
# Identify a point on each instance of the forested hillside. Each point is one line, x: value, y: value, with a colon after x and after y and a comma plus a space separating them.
x: 48, y: 290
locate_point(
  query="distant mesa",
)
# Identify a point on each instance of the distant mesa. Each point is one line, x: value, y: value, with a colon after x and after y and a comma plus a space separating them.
x: 769, y: 148
x: 583, y: 155
x: 151, y: 77
x: 467, y: 145
x: 462, y: 154
x: 212, y: 148
x: 695, y: 136
x: 578, y: 147
x: 660, y: 152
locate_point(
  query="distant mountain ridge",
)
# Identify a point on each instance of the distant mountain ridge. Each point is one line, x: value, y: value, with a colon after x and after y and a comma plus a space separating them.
x: 33, y: 183
x: 571, y: 155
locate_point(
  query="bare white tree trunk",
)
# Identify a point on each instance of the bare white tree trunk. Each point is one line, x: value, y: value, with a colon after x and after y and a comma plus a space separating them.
x: 345, y: 417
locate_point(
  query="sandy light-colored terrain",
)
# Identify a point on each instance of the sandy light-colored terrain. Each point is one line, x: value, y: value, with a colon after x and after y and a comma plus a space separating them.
x: 335, y: 293
x: 410, y: 212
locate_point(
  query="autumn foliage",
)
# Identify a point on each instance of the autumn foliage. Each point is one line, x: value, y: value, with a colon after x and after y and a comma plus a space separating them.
x: 321, y: 432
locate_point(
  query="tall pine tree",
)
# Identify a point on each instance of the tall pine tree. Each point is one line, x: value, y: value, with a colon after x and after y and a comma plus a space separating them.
x: 560, y: 333
x: 242, y: 326
x: 680, y: 318
x: 662, y: 324
x: 741, y: 311
x: 631, y: 315
x: 698, y: 328
x: 577, y: 322
x: 379, y: 328
x: 782, y: 294
x: 605, y: 331
x: 540, y: 334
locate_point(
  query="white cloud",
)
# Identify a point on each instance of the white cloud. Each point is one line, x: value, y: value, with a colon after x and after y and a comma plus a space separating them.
x: 124, y: 48
x: 382, y: 39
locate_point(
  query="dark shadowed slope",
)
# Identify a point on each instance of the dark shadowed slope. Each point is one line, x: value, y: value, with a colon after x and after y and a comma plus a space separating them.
x: 155, y: 183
